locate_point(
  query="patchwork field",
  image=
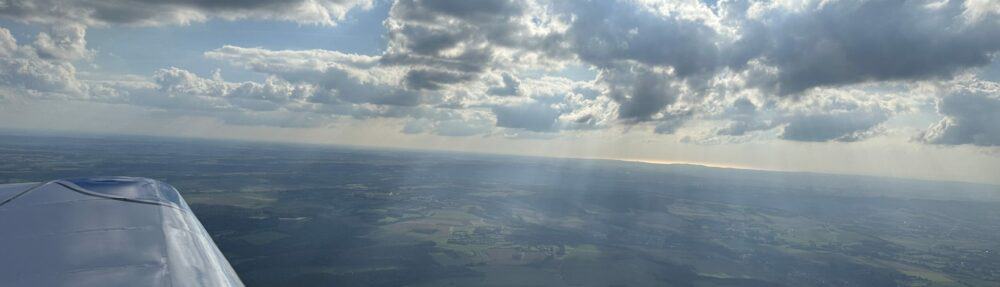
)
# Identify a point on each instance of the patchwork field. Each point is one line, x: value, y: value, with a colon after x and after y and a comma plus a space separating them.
x: 288, y: 215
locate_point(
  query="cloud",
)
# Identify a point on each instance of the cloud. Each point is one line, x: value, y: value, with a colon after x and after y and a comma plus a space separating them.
x: 670, y: 125
x: 45, y: 68
x: 450, y: 123
x: 825, y: 115
x: 534, y: 117
x: 442, y: 43
x: 274, y: 102
x: 24, y: 71
x: 971, y: 116
x: 831, y: 43
x: 807, y: 70
x: 659, y: 57
x: 608, y: 33
x: 180, y: 89
x: 510, y: 86
x: 573, y: 105
x: 745, y: 117
x: 289, y: 61
x: 445, y: 42
x: 847, y: 126
x: 981, y: 10
x: 641, y: 93
x: 8, y: 44
x: 176, y: 12
x: 648, y: 55
x: 842, y: 116
x: 63, y: 43
x: 433, y: 79
x: 336, y: 77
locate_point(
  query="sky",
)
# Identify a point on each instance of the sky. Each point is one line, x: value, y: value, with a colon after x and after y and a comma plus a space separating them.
x: 873, y: 87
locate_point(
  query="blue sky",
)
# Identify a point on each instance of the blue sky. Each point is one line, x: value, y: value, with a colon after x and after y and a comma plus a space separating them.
x: 898, y: 88
x: 141, y: 50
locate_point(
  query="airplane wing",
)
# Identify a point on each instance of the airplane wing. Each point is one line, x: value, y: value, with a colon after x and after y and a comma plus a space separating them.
x: 107, y: 231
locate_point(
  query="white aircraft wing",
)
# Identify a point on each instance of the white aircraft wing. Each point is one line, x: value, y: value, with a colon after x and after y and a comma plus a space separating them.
x: 107, y: 231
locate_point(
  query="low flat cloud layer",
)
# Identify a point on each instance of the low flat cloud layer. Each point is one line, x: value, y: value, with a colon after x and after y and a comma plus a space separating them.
x: 706, y: 72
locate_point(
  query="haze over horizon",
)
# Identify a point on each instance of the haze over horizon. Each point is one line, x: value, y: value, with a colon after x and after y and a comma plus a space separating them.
x: 907, y: 89
x: 306, y: 215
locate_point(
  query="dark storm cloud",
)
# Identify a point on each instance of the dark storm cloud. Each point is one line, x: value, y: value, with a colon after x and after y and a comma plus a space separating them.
x: 971, y: 117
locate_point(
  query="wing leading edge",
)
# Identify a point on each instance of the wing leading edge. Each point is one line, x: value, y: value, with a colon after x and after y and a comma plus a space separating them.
x: 107, y: 231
